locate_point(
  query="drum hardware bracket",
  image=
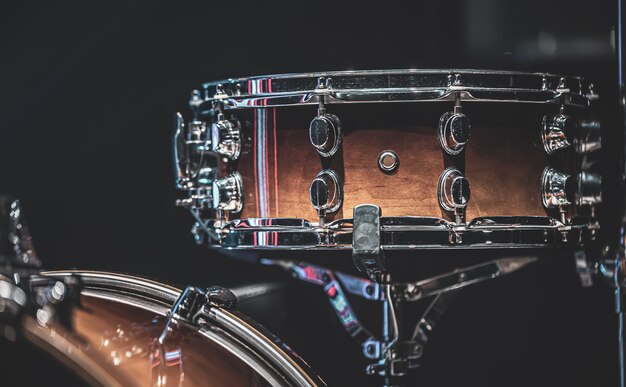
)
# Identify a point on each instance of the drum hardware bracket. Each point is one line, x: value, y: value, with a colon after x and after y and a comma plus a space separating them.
x: 193, y: 302
x: 367, y: 252
x: 554, y: 132
x: 334, y: 291
x: 553, y: 190
x: 326, y: 193
x: 454, y: 129
x: 325, y: 132
x: 396, y: 356
x: 13, y: 301
x: 408, y: 291
x: 454, y: 192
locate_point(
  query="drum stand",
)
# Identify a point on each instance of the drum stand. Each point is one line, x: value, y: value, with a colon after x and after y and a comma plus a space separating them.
x: 399, y: 350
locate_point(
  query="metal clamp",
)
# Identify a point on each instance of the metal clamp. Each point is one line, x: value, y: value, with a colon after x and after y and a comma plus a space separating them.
x: 325, y: 132
x: 554, y: 191
x: 554, y: 131
x: 453, y: 191
x: 454, y: 129
x: 326, y: 193
x: 396, y: 353
x: 194, y: 301
x: 367, y: 253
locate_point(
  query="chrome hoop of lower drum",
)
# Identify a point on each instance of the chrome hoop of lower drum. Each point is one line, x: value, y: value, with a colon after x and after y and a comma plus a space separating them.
x: 125, y: 330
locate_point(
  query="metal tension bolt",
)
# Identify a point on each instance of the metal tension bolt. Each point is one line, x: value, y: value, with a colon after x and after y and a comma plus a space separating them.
x: 554, y: 132
x: 228, y: 193
x: 453, y: 191
x: 325, y: 129
x: 226, y: 137
x: 326, y: 192
x: 196, y: 163
x: 554, y: 186
x: 454, y: 130
x: 325, y: 134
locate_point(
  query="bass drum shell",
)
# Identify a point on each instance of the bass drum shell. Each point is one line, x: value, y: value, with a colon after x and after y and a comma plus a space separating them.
x: 118, y: 333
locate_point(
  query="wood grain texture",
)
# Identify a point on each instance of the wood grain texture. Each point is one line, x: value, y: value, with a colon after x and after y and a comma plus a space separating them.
x: 503, y: 160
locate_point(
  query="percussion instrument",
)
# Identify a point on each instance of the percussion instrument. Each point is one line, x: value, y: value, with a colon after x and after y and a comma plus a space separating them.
x: 387, y: 164
x: 120, y: 330
x: 283, y: 162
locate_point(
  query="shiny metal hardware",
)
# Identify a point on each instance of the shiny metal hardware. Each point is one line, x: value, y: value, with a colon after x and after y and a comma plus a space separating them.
x: 262, y: 351
x: 196, y: 99
x: 367, y: 252
x: 388, y: 161
x: 554, y: 130
x: 563, y: 86
x: 221, y: 297
x: 12, y: 301
x: 326, y: 193
x: 194, y: 301
x: 589, y: 190
x: 396, y: 353
x: 553, y: 189
x: 197, y: 149
x: 408, y: 291
x: 408, y: 85
x: 404, y: 233
x: 228, y: 193
x: 454, y: 130
x: 325, y: 130
x: 189, y: 305
x: 54, y: 299
x: 460, y: 278
x: 590, y: 136
x: 20, y: 238
x: 453, y: 191
x: 223, y: 194
x: 196, y: 163
x: 226, y: 137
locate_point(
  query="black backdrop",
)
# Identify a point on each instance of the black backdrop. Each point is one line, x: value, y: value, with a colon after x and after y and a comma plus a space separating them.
x: 87, y: 96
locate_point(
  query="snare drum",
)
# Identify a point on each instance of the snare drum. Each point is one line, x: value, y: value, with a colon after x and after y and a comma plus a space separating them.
x: 453, y: 159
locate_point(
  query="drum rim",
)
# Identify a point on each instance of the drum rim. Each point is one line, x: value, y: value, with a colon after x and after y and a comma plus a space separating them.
x: 396, y: 71
x: 435, y: 233
x: 157, y: 297
x: 391, y: 85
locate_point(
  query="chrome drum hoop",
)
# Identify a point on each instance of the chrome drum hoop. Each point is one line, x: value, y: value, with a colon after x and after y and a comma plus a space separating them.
x: 238, y: 334
x: 406, y: 233
x: 406, y: 85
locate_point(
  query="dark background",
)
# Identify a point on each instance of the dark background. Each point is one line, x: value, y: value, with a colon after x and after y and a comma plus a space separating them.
x: 88, y: 91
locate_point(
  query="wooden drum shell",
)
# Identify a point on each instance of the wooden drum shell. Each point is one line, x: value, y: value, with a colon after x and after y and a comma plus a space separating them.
x: 503, y: 160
